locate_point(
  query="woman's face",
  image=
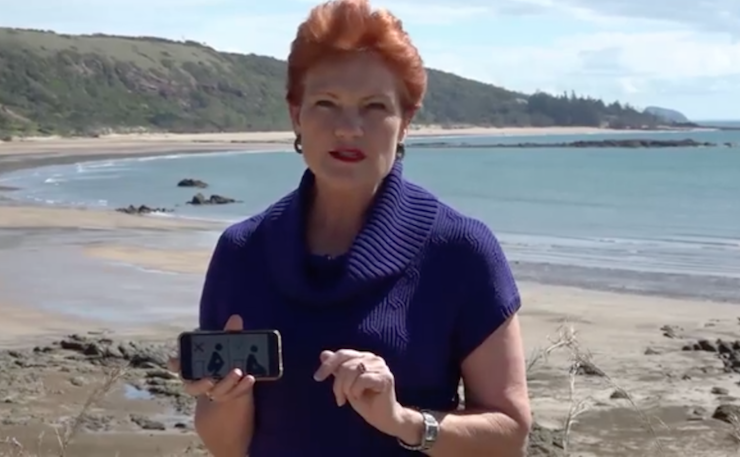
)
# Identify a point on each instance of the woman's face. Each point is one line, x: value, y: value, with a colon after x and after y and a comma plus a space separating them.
x: 350, y: 121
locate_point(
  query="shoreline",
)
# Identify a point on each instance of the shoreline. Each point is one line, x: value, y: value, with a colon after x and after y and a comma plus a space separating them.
x: 48, y: 152
x: 18, y: 160
x: 66, y: 271
x: 32, y: 152
x: 35, y: 152
x: 286, y: 137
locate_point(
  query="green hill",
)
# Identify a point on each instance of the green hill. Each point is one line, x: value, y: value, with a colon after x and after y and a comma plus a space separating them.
x: 67, y: 84
x: 667, y: 114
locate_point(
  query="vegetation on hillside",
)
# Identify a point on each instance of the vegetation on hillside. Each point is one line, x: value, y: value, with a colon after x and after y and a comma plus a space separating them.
x: 85, y: 85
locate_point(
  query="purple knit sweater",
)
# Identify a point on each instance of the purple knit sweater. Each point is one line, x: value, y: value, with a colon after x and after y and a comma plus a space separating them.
x: 422, y: 287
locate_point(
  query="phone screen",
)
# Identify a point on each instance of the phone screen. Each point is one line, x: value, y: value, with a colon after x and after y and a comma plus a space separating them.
x: 214, y: 355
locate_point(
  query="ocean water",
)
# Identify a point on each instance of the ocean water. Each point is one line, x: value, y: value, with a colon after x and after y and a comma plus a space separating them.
x: 670, y: 211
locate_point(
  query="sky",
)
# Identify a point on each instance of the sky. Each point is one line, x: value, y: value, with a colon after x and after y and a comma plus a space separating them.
x: 680, y: 54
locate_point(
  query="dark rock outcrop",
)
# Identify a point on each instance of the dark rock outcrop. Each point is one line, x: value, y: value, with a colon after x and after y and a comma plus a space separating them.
x: 727, y: 413
x: 105, y: 351
x: 545, y: 442
x: 147, y: 424
x: 727, y: 351
x: 623, y: 143
x: 190, y: 182
x: 200, y: 199
x: 142, y: 209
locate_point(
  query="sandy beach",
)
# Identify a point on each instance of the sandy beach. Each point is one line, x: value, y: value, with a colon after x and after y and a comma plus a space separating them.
x: 611, y: 374
x: 40, y: 151
x: 140, y: 140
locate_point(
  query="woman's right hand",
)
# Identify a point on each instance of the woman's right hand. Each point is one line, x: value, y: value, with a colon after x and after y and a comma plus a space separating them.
x: 233, y: 386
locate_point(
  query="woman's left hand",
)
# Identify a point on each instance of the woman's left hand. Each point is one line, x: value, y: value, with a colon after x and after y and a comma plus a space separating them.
x: 364, y: 380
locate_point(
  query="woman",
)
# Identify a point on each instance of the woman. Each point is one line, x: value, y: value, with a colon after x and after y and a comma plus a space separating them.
x: 385, y: 297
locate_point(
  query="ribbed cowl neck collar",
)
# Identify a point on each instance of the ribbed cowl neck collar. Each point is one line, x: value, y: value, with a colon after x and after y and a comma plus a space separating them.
x: 398, y: 225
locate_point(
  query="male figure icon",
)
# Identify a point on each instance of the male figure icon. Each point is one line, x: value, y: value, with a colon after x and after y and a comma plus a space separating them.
x: 253, y: 366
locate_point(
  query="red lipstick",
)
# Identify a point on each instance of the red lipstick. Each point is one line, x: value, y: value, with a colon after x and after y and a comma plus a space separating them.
x: 351, y: 155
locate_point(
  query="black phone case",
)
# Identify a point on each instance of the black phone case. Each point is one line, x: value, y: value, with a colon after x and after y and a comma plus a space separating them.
x: 187, y: 349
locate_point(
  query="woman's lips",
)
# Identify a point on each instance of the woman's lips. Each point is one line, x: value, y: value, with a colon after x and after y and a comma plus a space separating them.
x: 351, y: 155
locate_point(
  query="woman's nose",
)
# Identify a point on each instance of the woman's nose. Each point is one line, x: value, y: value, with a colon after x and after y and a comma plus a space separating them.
x: 348, y: 124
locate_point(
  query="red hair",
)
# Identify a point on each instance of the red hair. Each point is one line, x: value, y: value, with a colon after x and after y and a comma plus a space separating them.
x: 340, y: 27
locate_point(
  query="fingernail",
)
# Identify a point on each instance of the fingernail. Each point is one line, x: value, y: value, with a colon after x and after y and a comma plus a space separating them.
x: 316, y: 376
x: 238, y: 372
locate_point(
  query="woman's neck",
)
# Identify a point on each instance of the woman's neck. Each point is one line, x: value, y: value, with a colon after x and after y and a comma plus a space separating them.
x: 335, y: 218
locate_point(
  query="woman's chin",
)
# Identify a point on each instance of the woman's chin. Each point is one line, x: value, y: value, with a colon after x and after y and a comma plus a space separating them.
x: 347, y: 178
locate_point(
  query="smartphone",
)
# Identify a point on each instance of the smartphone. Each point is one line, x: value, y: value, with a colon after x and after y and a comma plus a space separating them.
x: 214, y: 354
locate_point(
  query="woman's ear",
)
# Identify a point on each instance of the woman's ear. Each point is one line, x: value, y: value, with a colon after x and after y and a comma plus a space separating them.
x: 295, y: 118
x: 405, y: 125
x: 402, y: 135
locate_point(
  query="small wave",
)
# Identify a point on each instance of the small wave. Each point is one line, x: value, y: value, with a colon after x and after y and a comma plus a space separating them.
x: 639, y: 255
x: 99, y: 164
x: 219, y: 219
x: 155, y: 271
x: 153, y: 158
x: 93, y: 177
x: 90, y: 168
x: 199, y: 154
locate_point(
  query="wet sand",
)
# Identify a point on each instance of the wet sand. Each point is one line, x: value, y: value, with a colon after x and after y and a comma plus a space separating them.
x: 122, y: 283
x: 130, y: 284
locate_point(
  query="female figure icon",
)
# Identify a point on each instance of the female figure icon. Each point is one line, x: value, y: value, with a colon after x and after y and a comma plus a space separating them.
x: 216, y: 362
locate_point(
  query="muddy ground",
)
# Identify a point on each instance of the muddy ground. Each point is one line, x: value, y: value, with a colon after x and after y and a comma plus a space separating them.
x: 117, y: 398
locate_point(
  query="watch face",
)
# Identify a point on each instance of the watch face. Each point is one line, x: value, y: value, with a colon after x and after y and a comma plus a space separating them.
x: 429, y: 437
x: 431, y: 430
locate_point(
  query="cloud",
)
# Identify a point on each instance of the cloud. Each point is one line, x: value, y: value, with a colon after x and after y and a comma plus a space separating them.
x: 676, y: 51
x: 642, y: 68
x: 269, y: 34
x: 431, y: 13
x: 427, y: 13
x: 616, y: 49
x: 708, y: 15
x: 95, y: 4
x: 672, y: 55
x: 644, y: 59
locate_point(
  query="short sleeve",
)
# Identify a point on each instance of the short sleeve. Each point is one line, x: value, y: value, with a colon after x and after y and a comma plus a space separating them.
x: 215, y: 285
x: 492, y: 295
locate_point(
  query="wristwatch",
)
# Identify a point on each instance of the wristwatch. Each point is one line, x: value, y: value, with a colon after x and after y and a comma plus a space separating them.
x: 429, y: 437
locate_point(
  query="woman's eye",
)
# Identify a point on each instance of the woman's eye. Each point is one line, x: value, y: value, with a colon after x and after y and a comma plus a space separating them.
x: 376, y: 105
x: 324, y: 103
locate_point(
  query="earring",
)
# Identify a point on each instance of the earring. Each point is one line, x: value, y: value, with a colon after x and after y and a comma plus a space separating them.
x: 297, y: 144
x: 400, y: 151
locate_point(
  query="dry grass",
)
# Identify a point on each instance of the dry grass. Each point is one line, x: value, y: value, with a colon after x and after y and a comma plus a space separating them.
x: 581, y: 361
x: 735, y: 432
x: 65, y: 435
x: 70, y: 428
